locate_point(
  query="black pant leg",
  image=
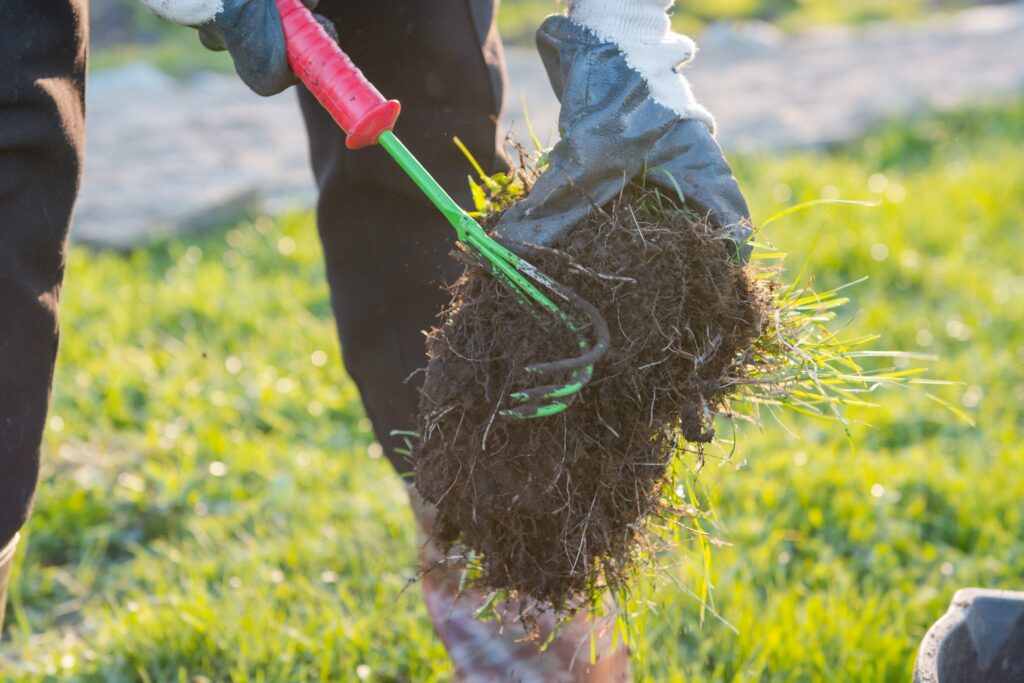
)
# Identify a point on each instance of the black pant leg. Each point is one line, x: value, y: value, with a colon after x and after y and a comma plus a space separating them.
x: 386, y: 247
x: 42, y: 82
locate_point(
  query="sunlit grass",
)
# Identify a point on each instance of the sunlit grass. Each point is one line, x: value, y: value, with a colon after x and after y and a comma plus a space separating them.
x: 209, y: 506
x: 801, y: 363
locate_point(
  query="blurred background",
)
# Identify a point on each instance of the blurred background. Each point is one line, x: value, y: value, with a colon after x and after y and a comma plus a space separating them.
x: 213, y: 506
x: 778, y: 74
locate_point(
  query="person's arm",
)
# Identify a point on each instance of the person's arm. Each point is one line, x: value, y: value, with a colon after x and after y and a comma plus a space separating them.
x: 249, y: 29
x: 626, y: 110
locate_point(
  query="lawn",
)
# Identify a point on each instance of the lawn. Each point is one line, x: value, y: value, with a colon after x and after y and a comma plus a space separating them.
x: 213, y: 507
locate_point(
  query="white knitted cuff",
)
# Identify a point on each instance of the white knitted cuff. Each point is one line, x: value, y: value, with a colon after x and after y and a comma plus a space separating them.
x: 185, y: 12
x: 643, y: 32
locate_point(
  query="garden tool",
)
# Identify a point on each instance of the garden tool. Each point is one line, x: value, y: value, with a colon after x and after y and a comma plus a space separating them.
x: 367, y: 119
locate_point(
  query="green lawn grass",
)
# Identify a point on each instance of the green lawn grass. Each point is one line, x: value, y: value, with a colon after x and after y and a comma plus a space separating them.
x: 212, y: 507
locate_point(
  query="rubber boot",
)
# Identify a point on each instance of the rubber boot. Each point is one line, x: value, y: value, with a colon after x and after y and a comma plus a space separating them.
x: 500, y: 651
x: 979, y: 640
x: 6, y: 563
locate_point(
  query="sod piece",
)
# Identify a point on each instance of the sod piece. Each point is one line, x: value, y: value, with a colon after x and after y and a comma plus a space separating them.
x: 554, y: 508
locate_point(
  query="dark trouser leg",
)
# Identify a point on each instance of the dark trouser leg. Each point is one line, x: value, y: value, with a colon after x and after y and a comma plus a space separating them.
x: 42, y: 79
x: 385, y: 245
x: 386, y: 249
x: 504, y: 649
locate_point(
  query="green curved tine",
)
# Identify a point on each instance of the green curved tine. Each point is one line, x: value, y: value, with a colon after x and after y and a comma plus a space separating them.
x: 514, y: 272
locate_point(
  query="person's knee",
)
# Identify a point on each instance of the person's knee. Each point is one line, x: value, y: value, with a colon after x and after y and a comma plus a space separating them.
x: 18, y: 494
x: 28, y: 330
x: 28, y: 337
x: 369, y: 349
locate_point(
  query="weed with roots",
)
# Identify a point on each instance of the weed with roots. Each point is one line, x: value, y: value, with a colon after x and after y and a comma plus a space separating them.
x: 571, y: 510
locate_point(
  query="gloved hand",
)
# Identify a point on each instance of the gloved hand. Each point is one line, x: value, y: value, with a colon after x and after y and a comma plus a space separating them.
x: 249, y: 29
x: 625, y: 110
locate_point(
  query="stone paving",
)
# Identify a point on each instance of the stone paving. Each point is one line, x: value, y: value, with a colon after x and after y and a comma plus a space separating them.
x: 167, y: 155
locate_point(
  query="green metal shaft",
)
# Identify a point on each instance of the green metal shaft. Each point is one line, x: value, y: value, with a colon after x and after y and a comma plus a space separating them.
x: 468, y: 230
x: 507, y: 266
x: 430, y: 187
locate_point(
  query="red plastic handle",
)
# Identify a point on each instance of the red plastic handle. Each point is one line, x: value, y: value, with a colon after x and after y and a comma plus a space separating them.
x: 357, y: 106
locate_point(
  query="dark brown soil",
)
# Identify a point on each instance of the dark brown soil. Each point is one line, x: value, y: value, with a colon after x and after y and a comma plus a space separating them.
x: 555, y: 507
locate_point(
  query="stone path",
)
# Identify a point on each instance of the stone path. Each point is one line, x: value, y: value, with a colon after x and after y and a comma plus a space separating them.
x: 165, y: 155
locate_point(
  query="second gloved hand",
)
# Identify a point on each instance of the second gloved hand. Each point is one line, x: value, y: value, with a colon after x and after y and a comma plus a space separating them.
x: 249, y: 29
x: 625, y: 111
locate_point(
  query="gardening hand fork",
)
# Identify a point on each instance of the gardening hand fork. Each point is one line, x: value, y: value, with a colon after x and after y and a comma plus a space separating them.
x: 367, y: 119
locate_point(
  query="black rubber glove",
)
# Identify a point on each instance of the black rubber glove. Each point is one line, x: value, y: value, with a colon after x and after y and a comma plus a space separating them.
x: 249, y: 29
x: 614, y: 130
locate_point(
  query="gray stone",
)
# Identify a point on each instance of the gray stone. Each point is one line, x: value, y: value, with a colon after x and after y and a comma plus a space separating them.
x: 979, y: 640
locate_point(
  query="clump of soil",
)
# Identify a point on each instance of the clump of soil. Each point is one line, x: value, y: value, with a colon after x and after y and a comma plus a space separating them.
x: 555, y: 507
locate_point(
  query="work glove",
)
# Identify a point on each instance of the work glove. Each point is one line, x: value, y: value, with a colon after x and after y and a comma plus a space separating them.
x: 626, y: 111
x: 249, y: 29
